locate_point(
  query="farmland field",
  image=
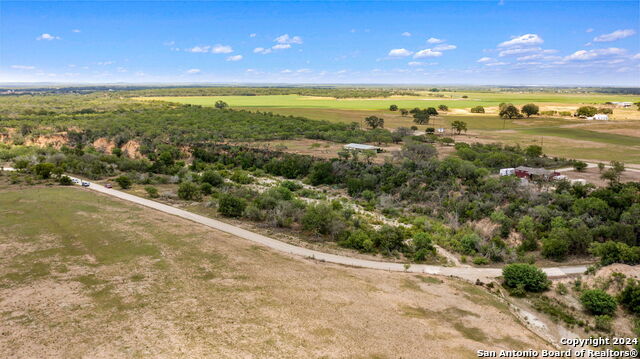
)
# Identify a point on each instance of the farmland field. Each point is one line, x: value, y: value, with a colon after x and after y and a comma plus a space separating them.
x: 83, y: 275
x: 451, y: 99
x: 570, y: 137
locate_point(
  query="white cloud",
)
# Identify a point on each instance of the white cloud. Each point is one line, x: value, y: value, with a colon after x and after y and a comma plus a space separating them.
x: 121, y: 69
x: 281, y: 46
x: 589, y: 30
x: 400, y: 53
x: 526, y: 39
x: 217, y: 49
x: 76, y: 31
x: 286, y: 71
x: 261, y: 50
x: 406, y: 33
x: 496, y: 63
x: 616, y: 35
x: 23, y: 67
x: 104, y: 63
x: 234, y: 58
x: 415, y: 63
x: 286, y: 39
x: 445, y: 47
x: 252, y: 35
x: 433, y: 40
x: 484, y: 59
x: 193, y: 71
x: 303, y: 71
x: 518, y: 51
x: 199, y: 49
x: 582, y: 55
x: 636, y: 56
x: 221, y: 49
x: 47, y: 37
x: 169, y: 43
x: 426, y: 53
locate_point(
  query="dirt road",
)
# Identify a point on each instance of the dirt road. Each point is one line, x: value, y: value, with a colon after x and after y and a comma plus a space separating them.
x: 469, y: 273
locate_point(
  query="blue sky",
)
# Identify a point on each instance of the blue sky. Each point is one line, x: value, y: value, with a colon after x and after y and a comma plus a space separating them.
x: 462, y: 42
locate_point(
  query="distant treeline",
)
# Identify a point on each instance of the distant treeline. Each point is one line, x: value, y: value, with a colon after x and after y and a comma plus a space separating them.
x: 261, y: 91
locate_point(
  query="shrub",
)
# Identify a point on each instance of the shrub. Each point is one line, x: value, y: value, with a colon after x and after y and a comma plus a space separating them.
x: 630, y: 297
x: 151, y: 191
x: 615, y: 252
x: 480, y: 261
x: 231, y: 206
x: 291, y: 186
x: 206, y: 188
x: 213, y: 178
x: 241, y: 177
x: 579, y: 166
x: 124, y: 182
x: 587, y: 111
x: 477, y: 109
x: 189, y: 191
x: 603, y: 323
x: 562, y: 289
x: 528, y: 276
x: 598, y: 302
x: 65, y: 181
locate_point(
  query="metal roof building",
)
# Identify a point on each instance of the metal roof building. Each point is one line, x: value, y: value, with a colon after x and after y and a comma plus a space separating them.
x: 361, y: 147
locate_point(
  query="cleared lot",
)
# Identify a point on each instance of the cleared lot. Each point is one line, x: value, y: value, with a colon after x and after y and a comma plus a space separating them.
x: 83, y: 274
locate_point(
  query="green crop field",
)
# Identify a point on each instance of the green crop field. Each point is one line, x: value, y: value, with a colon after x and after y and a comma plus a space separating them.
x: 451, y: 99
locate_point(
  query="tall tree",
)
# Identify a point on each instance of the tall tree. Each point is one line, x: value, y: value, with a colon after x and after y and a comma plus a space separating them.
x: 530, y: 109
x: 374, y: 122
x: 459, y: 126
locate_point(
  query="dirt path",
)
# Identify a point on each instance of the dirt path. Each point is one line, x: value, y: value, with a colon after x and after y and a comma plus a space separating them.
x: 461, y: 272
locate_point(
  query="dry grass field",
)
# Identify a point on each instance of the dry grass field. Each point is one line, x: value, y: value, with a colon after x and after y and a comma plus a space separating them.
x: 83, y: 275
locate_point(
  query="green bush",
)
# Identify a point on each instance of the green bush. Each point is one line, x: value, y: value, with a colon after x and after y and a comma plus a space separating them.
x: 477, y: 109
x: 598, y: 302
x: 231, y: 206
x: 630, y: 297
x: 65, y: 181
x: 241, y: 177
x: 124, y: 182
x: 151, y: 191
x: 480, y: 261
x: 189, y: 191
x: 603, y: 323
x: 212, y: 177
x: 531, y: 278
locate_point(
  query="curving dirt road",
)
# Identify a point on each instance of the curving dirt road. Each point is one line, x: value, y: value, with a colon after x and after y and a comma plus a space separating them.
x: 469, y: 273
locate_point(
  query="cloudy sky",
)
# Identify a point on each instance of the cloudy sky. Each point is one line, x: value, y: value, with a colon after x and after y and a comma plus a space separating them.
x: 464, y: 42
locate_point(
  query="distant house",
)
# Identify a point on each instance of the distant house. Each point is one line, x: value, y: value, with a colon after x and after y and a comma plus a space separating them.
x: 361, y: 147
x: 622, y: 104
x: 507, y: 171
x: 440, y: 130
x: 532, y: 173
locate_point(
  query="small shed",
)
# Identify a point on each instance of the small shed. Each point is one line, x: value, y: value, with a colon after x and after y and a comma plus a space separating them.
x: 601, y: 117
x: 361, y: 147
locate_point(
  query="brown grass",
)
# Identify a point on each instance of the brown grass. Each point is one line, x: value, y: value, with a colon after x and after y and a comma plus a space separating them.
x: 204, y: 293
